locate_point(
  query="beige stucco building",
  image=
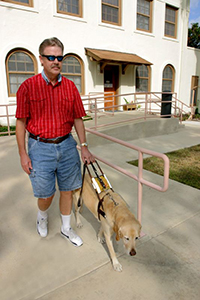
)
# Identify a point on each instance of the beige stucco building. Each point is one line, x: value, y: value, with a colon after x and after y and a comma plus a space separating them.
x: 122, y: 46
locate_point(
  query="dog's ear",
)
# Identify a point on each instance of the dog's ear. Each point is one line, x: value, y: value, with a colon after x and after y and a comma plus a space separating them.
x: 118, y: 234
x: 116, y: 230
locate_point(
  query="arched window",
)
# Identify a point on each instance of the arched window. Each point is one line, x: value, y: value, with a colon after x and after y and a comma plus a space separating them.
x: 143, y: 77
x: 20, y: 65
x: 72, y: 68
x: 168, y: 79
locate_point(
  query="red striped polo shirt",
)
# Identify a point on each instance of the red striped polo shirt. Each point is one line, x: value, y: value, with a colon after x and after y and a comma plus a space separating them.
x: 50, y: 110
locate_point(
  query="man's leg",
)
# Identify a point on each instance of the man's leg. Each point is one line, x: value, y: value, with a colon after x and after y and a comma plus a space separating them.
x: 65, y: 210
x: 42, y: 217
x: 65, y: 202
x: 44, y: 204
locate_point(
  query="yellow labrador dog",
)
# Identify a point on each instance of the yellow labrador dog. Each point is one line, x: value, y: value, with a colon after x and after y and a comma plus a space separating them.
x: 117, y: 219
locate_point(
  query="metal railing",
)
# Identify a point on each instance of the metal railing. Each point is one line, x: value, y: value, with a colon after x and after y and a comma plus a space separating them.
x: 98, y: 104
x: 7, y: 115
x: 139, y: 178
x: 150, y: 106
x: 177, y: 105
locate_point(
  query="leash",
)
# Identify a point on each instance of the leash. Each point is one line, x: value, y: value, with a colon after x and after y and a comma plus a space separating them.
x: 100, y: 183
x: 83, y: 177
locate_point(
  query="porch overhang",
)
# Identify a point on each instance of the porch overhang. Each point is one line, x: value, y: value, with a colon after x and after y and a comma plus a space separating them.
x: 105, y: 57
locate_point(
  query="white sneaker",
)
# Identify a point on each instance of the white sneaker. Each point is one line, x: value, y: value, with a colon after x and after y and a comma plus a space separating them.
x: 42, y: 227
x: 71, y: 236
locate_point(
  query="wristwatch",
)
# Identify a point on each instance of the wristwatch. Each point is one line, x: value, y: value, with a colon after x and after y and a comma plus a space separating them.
x: 84, y: 145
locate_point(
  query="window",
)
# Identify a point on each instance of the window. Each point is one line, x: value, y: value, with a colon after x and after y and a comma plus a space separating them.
x: 72, y: 68
x: 168, y: 79
x: 70, y: 7
x: 20, y: 65
x: 111, y: 11
x: 143, y: 78
x: 22, y: 2
x: 144, y: 15
x: 171, y: 21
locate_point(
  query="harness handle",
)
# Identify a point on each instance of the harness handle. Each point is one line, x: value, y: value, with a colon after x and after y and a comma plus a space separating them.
x: 100, y: 204
x: 99, y: 178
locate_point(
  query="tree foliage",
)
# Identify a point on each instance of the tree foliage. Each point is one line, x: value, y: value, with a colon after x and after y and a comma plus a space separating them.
x: 194, y: 36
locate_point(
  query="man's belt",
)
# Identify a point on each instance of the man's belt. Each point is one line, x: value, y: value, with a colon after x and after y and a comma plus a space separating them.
x: 49, y: 141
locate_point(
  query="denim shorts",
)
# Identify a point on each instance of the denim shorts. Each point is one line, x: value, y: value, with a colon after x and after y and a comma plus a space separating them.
x: 54, y: 161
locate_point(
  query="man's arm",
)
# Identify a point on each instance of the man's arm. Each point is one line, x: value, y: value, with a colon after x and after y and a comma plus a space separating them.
x: 20, y: 135
x: 80, y: 130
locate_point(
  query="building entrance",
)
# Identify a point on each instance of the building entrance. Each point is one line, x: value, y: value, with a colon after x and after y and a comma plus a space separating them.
x: 111, y: 85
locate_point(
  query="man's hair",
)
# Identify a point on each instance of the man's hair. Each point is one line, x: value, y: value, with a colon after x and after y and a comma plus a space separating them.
x: 50, y: 42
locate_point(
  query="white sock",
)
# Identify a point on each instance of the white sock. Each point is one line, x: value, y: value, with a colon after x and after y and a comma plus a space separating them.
x: 43, y: 214
x: 66, y: 219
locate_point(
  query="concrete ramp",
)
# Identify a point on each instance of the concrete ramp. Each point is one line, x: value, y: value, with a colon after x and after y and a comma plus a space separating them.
x: 132, y: 129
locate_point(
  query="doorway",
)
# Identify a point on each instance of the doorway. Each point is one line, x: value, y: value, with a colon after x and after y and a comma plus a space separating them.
x: 111, y: 85
x: 194, y: 90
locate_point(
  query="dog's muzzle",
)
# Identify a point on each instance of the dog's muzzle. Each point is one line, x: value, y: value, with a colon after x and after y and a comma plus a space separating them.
x: 132, y: 252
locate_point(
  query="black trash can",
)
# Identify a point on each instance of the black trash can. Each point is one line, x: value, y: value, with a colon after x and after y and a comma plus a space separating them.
x: 166, y: 106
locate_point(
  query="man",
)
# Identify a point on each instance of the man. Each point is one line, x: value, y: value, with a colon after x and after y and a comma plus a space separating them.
x: 48, y: 105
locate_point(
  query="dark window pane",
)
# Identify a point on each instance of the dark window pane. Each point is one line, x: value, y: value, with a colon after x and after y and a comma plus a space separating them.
x: 69, y: 6
x: 168, y: 74
x: 110, y: 14
x: 170, y: 15
x: 170, y: 29
x: 142, y: 79
x: 143, y: 7
x: 142, y: 22
x: 16, y: 80
x: 112, y: 2
x: 167, y: 86
x: 22, y: 1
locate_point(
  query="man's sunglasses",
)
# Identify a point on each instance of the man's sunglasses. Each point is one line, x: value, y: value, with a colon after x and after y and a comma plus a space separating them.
x: 53, y: 57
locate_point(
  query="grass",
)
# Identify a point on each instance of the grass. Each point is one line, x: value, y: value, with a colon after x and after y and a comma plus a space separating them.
x: 5, y: 129
x: 184, y: 165
x: 195, y: 118
x: 87, y: 118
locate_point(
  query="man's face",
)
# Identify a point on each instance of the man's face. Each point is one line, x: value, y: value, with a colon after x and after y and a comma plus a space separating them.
x: 51, y: 68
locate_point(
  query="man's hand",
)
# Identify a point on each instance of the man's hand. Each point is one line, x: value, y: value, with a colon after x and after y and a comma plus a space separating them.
x: 26, y: 163
x: 86, y: 156
x: 20, y: 135
x: 80, y: 130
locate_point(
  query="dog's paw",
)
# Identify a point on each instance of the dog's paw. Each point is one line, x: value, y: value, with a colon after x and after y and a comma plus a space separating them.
x: 101, y: 239
x: 79, y: 225
x: 117, y: 267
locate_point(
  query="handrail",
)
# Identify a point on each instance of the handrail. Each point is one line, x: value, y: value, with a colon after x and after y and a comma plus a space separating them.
x: 139, y: 178
x: 99, y: 100
x: 7, y: 116
x: 144, y: 98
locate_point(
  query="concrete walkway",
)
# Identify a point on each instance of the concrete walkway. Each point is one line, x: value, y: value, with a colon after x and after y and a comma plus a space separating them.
x: 167, y: 264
